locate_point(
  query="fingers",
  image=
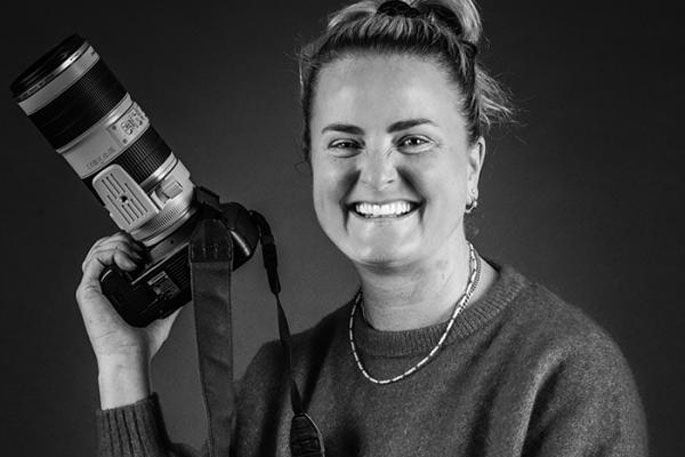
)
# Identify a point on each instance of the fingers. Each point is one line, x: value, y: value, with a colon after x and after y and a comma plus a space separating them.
x: 119, y: 249
x: 121, y: 235
x: 120, y: 241
x: 101, y: 259
x: 114, y: 251
x: 117, y: 238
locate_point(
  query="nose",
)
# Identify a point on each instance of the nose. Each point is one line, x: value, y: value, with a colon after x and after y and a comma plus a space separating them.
x: 377, y: 169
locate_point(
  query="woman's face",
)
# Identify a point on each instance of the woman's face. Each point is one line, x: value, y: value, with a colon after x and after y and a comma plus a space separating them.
x: 391, y: 159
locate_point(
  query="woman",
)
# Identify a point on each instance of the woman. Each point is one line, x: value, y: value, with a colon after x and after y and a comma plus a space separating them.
x: 442, y: 352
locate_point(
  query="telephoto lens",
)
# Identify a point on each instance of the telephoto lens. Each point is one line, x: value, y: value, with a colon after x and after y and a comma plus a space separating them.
x: 90, y: 119
x: 85, y: 113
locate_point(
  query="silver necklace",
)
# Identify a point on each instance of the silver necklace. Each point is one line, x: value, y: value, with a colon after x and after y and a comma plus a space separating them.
x: 474, y: 276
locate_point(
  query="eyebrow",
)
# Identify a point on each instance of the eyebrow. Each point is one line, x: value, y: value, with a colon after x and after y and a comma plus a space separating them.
x: 344, y: 128
x: 394, y: 127
x: 409, y: 123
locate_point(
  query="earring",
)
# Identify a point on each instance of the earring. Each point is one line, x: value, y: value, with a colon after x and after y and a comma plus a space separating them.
x: 473, y: 203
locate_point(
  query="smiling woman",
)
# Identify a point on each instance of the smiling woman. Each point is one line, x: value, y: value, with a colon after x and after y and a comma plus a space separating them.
x: 389, y: 134
x: 441, y: 352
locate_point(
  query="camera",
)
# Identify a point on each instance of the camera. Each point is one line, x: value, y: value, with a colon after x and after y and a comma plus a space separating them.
x: 90, y: 119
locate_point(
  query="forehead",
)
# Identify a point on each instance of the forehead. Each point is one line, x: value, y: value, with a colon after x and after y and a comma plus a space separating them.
x: 383, y: 87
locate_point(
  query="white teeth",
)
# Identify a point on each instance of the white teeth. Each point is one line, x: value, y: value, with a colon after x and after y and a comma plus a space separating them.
x: 393, y: 209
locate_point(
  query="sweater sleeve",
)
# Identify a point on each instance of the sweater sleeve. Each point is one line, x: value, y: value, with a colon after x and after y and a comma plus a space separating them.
x: 137, y: 430
x: 588, y: 405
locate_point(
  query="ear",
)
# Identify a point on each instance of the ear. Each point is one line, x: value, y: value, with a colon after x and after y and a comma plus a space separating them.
x: 476, y: 159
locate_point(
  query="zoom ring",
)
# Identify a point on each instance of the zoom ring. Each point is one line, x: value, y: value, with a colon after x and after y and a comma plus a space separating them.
x: 81, y: 106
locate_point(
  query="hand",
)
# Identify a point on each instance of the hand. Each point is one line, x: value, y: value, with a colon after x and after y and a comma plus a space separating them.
x: 112, y: 339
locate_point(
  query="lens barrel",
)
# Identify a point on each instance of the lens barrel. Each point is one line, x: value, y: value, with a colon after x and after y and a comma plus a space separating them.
x: 87, y: 116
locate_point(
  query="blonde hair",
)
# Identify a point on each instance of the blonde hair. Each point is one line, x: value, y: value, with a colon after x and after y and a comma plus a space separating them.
x: 445, y: 30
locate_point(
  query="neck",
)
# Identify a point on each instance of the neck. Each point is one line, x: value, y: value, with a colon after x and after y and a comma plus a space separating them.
x: 422, y: 294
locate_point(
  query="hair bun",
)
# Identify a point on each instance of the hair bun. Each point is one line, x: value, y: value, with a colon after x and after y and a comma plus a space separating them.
x: 397, y: 8
x: 460, y: 16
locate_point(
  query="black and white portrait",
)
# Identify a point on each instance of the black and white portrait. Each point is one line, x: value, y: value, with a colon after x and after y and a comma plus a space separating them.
x: 342, y: 228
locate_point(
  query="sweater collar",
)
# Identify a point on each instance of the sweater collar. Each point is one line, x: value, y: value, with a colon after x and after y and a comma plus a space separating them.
x: 416, y: 341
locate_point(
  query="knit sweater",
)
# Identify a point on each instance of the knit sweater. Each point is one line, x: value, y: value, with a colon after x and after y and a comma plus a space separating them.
x: 521, y: 374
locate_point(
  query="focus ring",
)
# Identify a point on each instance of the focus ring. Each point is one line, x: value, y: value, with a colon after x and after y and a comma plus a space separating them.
x: 81, y: 106
x: 142, y: 158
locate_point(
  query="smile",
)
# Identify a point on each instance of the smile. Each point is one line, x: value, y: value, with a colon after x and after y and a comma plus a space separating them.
x: 394, y: 209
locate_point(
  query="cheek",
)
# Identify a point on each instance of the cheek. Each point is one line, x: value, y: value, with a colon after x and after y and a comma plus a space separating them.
x: 452, y: 184
x: 442, y: 182
x: 318, y: 193
x: 328, y: 187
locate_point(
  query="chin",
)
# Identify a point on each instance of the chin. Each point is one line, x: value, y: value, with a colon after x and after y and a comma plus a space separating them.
x: 381, y: 258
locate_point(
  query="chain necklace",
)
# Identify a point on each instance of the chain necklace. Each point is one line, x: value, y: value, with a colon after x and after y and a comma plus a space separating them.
x: 474, y: 276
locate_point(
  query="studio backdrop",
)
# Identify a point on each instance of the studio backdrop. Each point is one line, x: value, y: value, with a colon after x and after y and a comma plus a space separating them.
x: 581, y: 193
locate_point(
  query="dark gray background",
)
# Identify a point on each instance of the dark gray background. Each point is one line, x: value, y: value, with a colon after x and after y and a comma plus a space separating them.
x: 582, y: 195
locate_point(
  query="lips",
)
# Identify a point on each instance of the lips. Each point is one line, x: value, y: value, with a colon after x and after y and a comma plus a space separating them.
x: 387, y: 209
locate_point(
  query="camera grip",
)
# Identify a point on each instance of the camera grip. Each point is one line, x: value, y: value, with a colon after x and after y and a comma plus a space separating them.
x: 139, y: 300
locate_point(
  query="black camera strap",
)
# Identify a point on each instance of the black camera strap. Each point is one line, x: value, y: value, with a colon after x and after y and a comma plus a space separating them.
x: 305, y: 438
x: 211, y: 260
x: 211, y: 256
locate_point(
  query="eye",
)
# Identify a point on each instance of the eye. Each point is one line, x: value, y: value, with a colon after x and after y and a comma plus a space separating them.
x: 344, y: 147
x: 414, y: 143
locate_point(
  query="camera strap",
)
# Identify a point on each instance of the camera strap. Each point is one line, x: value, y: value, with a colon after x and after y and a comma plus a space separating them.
x: 211, y: 255
x: 305, y: 438
x: 211, y: 260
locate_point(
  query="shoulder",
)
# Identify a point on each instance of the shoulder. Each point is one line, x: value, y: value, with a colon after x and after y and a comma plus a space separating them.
x: 331, y: 327
x: 263, y: 389
x: 548, y: 320
x: 578, y: 379
x: 561, y: 344
x: 306, y: 346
